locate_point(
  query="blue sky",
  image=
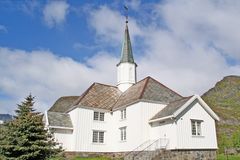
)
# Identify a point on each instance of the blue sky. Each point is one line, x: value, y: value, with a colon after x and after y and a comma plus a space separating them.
x: 58, y: 48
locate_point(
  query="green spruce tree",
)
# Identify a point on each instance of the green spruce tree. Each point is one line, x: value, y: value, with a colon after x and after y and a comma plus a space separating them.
x: 24, y: 138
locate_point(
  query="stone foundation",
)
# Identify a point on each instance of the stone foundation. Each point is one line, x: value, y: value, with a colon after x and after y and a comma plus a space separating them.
x: 111, y: 155
x: 186, y: 155
x: 163, y: 154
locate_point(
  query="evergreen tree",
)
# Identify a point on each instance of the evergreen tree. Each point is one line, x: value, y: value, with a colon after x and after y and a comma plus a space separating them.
x: 24, y: 138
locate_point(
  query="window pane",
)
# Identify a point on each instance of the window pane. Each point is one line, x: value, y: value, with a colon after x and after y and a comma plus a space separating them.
x: 198, y: 128
x: 95, y: 136
x: 193, y: 128
x: 124, y: 133
x: 123, y: 114
x: 95, y: 116
x: 101, y: 137
x: 121, y: 132
x: 101, y: 116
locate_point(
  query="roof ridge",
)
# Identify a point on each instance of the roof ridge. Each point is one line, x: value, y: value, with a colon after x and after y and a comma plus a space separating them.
x: 165, y: 86
x: 67, y: 96
x: 83, y: 95
x: 130, y: 88
x: 105, y: 84
x: 111, y: 109
x: 188, y: 97
x: 144, y: 87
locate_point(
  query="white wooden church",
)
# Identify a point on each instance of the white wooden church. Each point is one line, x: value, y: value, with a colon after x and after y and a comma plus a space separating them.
x: 131, y: 115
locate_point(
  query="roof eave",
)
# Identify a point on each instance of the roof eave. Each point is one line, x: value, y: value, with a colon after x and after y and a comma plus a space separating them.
x: 60, y: 127
x: 204, y: 105
x: 90, y: 108
x: 161, y: 119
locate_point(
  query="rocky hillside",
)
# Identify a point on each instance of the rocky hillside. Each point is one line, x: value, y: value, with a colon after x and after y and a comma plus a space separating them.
x: 224, y: 99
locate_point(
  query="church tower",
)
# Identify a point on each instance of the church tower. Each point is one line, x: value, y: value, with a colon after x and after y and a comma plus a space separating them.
x: 126, y: 68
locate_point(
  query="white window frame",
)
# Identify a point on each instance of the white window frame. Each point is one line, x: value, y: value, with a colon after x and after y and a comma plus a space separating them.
x: 123, y: 133
x: 196, y: 127
x: 98, y: 136
x: 123, y: 114
x: 98, y: 116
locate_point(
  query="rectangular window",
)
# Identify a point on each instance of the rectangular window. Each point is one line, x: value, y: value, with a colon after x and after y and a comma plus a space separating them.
x: 98, y: 137
x: 95, y: 136
x: 101, y: 137
x: 95, y: 116
x: 196, y: 127
x: 123, y: 133
x: 98, y: 116
x: 101, y: 117
x: 123, y: 114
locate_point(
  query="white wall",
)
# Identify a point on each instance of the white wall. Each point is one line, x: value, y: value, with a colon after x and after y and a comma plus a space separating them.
x: 64, y: 138
x: 164, y: 130
x: 138, y: 129
x: 185, y: 140
x: 179, y: 131
x: 83, y: 130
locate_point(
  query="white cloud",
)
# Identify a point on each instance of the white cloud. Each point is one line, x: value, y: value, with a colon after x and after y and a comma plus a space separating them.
x: 49, y: 77
x: 80, y: 46
x: 185, y: 52
x: 109, y: 25
x: 55, y: 12
x: 133, y: 4
x: 205, y: 22
x: 30, y: 6
x: 3, y: 29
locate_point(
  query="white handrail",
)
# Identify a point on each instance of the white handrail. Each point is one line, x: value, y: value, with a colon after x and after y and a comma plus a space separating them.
x: 151, y: 148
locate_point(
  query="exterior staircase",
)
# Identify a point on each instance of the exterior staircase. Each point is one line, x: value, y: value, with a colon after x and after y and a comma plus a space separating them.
x: 148, y: 150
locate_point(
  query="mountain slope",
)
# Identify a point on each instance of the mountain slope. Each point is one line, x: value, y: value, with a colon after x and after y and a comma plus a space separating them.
x: 224, y: 99
x: 5, y: 117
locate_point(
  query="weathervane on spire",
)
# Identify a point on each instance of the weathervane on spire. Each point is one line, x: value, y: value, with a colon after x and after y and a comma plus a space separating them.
x: 126, y: 13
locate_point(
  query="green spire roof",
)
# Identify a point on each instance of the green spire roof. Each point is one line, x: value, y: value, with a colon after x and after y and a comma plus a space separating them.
x: 126, y: 55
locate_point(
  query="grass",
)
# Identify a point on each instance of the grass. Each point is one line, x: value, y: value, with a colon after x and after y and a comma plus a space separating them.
x: 229, y: 157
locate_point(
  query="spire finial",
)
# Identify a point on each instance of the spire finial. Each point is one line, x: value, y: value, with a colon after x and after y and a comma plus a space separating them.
x: 126, y: 13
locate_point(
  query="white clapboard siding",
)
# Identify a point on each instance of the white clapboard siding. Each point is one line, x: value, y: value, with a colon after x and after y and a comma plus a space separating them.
x: 64, y: 137
x: 138, y: 128
x: 185, y: 140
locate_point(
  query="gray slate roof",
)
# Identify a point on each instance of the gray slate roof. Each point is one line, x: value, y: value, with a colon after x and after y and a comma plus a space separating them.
x: 171, y: 108
x: 63, y: 104
x: 99, y: 96
x: 111, y: 98
x: 147, y: 89
x: 59, y: 119
x: 126, y: 55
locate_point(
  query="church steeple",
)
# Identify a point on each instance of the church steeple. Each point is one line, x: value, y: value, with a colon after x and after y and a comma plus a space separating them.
x: 126, y: 68
x: 127, y: 55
